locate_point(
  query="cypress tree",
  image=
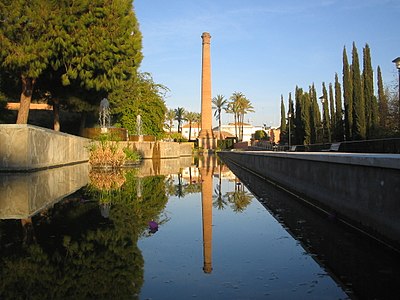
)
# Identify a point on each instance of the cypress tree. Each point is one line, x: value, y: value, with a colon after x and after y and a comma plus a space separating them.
x: 359, y: 126
x: 339, y: 125
x: 315, y: 116
x: 283, y: 134
x: 371, y: 118
x: 291, y: 106
x: 299, y: 130
x: 326, y: 136
x: 348, y: 97
x: 291, y: 111
x: 305, y: 118
x: 383, y: 103
x: 332, y: 112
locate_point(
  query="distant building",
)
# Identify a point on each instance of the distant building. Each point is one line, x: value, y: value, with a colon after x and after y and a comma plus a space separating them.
x: 227, y: 131
x: 248, y: 130
x: 194, y: 130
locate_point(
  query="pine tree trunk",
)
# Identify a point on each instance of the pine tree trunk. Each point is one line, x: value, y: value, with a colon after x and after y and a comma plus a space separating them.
x: 25, y: 99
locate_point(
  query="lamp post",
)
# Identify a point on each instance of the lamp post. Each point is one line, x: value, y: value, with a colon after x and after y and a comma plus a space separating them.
x: 396, y: 61
x: 289, y: 115
x: 323, y: 119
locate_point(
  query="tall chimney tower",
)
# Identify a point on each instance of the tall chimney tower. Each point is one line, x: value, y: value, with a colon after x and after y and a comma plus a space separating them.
x: 206, y: 137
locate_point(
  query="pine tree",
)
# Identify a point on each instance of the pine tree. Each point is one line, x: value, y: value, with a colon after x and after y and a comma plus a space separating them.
x: 383, y: 103
x: 89, y: 46
x: 26, y: 44
x: 109, y: 29
x: 359, y: 125
x: 339, y: 124
x: 348, y: 97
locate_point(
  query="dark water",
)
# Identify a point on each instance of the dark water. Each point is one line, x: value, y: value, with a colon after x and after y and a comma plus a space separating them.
x: 214, y: 240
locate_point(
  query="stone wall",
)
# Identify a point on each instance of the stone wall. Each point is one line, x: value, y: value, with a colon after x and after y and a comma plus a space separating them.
x: 361, y: 188
x: 27, y: 147
x: 157, y: 150
x: 24, y: 194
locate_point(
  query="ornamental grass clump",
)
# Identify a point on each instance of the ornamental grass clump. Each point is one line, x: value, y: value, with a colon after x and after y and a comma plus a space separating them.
x: 106, y: 154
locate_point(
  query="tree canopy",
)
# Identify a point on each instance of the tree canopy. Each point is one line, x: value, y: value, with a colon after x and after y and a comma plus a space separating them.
x: 91, y: 46
x: 140, y: 96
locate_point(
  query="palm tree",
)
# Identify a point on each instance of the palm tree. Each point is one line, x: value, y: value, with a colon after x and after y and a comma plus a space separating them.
x: 239, y: 106
x: 179, y: 116
x: 190, y: 117
x: 169, y: 118
x: 245, y: 107
x: 219, y: 103
x: 233, y: 108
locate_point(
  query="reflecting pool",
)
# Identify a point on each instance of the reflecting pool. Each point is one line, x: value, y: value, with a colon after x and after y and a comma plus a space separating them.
x: 169, y: 229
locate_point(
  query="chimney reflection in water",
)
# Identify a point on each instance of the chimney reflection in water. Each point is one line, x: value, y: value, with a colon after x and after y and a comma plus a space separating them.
x: 206, y: 167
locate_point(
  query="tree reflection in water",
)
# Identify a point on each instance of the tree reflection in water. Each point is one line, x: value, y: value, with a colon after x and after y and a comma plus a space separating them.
x: 74, y: 251
x: 238, y: 199
x: 85, y: 246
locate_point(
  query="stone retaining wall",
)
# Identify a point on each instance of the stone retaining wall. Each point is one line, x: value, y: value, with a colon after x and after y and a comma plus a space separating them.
x: 26, y: 147
x: 157, y: 150
x: 362, y: 188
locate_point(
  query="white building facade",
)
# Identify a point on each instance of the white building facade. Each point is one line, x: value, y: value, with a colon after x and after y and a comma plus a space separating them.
x: 248, y: 130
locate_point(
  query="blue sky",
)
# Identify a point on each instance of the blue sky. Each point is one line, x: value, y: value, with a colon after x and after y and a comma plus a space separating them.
x: 262, y: 48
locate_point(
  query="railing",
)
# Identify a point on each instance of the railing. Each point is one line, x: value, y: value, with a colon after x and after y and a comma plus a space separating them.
x: 391, y: 145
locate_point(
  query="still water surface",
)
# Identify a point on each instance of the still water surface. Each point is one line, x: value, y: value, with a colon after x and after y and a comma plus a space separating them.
x: 214, y: 240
